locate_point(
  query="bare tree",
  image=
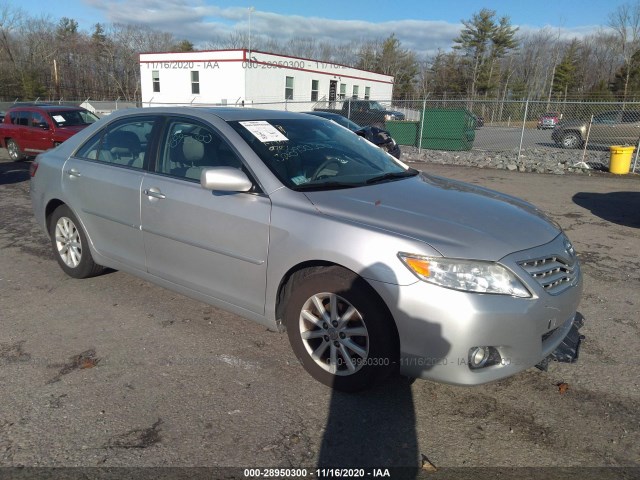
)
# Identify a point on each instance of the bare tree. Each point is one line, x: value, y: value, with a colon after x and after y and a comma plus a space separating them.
x: 625, y: 22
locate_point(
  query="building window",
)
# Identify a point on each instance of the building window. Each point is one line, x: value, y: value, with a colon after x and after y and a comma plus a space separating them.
x: 356, y: 89
x: 288, y: 88
x: 367, y: 93
x: 156, y: 80
x: 343, y: 91
x: 195, y: 82
x: 315, y: 85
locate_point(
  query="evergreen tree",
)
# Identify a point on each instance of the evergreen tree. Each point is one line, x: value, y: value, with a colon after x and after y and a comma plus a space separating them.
x: 565, y: 79
x: 483, y: 42
x: 389, y: 58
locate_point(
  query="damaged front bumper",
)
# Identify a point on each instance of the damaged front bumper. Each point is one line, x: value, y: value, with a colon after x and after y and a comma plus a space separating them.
x: 568, y: 350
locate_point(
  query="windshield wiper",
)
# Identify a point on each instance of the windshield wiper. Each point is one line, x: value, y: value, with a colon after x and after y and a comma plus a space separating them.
x: 412, y: 172
x: 325, y: 186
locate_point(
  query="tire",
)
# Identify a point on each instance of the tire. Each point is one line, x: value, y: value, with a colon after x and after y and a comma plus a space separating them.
x: 358, y: 346
x: 570, y: 140
x: 70, y: 244
x: 14, y: 151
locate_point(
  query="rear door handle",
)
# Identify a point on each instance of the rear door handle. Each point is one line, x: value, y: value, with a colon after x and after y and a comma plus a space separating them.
x: 154, y: 192
x: 74, y: 173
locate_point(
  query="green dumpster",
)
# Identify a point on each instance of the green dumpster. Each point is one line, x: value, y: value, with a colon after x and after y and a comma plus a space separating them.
x: 404, y: 133
x: 447, y: 129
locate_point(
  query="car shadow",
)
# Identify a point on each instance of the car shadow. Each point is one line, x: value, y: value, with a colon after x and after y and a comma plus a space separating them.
x: 620, y: 208
x: 372, y: 429
x: 14, y: 172
x: 376, y: 428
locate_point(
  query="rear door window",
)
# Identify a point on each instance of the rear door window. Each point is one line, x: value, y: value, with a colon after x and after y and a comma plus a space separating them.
x: 607, y: 118
x: 126, y: 143
x: 20, y: 118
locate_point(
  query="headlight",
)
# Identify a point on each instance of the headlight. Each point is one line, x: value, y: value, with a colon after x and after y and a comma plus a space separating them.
x: 465, y: 275
x: 389, y: 116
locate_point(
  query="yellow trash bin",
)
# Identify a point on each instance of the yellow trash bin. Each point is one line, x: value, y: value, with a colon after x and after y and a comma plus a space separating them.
x: 620, y: 161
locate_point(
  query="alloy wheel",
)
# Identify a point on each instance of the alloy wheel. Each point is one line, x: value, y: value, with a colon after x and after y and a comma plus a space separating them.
x: 68, y: 243
x: 334, y: 334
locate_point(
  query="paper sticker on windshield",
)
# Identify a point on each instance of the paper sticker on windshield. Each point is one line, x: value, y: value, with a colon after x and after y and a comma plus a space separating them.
x: 59, y: 118
x: 264, y: 131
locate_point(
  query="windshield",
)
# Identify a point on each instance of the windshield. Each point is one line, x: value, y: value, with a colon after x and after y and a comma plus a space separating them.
x: 70, y: 118
x: 376, y: 106
x: 318, y: 154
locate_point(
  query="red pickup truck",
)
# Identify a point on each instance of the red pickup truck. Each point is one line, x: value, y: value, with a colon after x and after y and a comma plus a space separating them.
x: 29, y: 130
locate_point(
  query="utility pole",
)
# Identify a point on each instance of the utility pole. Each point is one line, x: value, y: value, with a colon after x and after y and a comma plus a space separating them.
x: 55, y: 77
x: 251, y: 10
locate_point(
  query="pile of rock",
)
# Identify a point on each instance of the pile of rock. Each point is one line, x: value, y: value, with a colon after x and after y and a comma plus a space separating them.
x: 538, y: 160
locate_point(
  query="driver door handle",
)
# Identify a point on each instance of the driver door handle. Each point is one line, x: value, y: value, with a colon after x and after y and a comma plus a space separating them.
x: 74, y: 173
x: 154, y: 192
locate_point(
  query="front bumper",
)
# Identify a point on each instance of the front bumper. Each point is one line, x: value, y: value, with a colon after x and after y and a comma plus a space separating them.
x: 438, y: 327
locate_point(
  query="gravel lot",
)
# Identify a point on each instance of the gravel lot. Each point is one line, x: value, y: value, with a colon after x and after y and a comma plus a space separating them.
x: 113, y: 371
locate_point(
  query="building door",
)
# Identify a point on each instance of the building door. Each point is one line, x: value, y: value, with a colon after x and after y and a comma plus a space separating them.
x: 333, y: 87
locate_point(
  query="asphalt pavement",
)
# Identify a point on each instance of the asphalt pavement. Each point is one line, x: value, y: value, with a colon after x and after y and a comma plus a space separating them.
x: 116, y: 372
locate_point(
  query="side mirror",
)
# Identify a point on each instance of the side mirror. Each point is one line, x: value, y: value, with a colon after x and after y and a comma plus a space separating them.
x: 44, y: 126
x: 225, y: 179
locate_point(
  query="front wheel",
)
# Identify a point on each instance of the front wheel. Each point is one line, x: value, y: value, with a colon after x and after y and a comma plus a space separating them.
x: 339, y: 329
x: 570, y: 140
x: 14, y: 151
x: 70, y: 245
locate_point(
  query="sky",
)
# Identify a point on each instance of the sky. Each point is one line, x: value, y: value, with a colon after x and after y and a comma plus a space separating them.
x: 422, y: 25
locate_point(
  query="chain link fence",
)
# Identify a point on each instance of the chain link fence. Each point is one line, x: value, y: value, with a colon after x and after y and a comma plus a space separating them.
x: 583, y: 130
x: 513, y: 129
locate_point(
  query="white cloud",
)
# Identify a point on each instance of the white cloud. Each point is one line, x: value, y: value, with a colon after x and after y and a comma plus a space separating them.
x: 200, y: 23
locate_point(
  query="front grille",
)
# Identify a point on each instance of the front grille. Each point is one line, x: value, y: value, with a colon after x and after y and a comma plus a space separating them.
x: 554, y: 273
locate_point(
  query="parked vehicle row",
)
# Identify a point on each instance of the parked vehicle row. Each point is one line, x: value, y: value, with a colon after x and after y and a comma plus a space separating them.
x: 28, y: 130
x: 610, y: 128
x: 372, y: 267
x: 365, y: 112
x: 549, y: 120
x: 375, y: 135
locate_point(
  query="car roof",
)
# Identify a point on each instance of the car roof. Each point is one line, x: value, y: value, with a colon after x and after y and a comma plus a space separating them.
x: 47, y: 107
x: 325, y: 114
x: 234, y: 113
x: 225, y: 113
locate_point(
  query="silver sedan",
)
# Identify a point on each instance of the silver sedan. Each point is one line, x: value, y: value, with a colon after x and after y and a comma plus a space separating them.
x: 294, y: 222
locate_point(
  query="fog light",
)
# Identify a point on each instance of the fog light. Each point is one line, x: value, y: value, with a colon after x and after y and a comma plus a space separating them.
x: 480, y: 357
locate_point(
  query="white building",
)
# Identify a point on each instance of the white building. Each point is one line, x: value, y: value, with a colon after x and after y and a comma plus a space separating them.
x: 227, y: 77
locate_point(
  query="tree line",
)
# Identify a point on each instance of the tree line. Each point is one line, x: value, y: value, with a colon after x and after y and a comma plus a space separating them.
x: 490, y: 59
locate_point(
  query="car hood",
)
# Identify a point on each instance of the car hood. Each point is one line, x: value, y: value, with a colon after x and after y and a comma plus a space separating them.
x: 457, y: 219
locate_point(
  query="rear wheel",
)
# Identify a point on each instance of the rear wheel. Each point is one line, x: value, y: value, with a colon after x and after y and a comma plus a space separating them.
x: 339, y: 329
x: 14, y: 151
x: 70, y: 245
